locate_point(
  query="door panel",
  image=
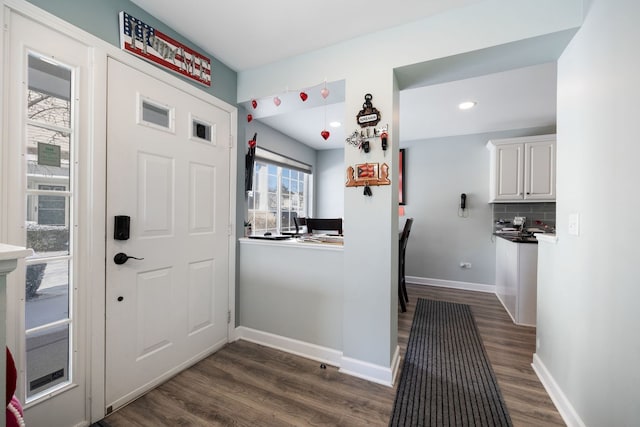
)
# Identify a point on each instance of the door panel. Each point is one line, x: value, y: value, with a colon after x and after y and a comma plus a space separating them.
x: 168, y: 309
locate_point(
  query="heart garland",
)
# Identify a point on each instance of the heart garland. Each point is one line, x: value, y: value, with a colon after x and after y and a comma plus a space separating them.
x: 303, y: 96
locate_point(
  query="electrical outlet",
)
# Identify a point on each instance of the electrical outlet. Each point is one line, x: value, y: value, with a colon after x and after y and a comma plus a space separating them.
x: 464, y: 264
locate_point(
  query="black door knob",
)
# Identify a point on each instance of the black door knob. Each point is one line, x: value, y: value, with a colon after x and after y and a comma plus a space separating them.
x: 120, y: 299
x: 121, y: 258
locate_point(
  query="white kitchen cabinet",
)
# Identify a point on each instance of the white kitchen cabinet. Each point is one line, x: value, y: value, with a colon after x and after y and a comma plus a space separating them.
x: 517, y: 279
x: 523, y: 169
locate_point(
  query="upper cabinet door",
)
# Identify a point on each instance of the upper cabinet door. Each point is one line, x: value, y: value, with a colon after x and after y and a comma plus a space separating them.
x: 540, y: 170
x: 508, y: 184
x: 523, y: 169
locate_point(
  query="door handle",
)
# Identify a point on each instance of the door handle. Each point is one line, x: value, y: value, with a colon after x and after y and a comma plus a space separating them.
x: 121, y: 258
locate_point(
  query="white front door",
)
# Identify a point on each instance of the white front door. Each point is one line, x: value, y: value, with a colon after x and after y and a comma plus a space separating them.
x: 168, y: 171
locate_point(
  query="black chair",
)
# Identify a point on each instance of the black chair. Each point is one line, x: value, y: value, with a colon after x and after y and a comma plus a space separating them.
x: 403, y: 297
x: 324, y: 224
x: 299, y: 222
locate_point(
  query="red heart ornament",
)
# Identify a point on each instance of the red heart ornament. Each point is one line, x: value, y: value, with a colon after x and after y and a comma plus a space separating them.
x: 252, y: 143
x: 324, y: 92
x: 249, y: 118
x: 325, y: 134
x: 277, y: 101
x: 254, y: 103
x: 303, y: 96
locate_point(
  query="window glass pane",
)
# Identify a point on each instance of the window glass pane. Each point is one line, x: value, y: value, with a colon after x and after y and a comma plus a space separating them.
x: 273, y: 183
x: 47, y: 240
x: 47, y: 359
x: 286, y: 184
x: 201, y: 130
x: 49, y: 93
x: 156, y: 114
x: 47, y: 293
x: 47, y: 109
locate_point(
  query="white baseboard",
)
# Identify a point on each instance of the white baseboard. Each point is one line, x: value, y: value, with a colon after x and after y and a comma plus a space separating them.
x: 469, y: 286
x: 371, y: 372
x: 354, y: 367
x: 289, y: 345
x: 567, y: 412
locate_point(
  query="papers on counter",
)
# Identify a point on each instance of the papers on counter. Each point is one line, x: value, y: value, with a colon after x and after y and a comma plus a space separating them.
x: 322, y: 238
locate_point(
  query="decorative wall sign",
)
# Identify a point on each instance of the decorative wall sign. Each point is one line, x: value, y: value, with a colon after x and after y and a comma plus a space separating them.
x: 369, y: 115
x: 367, y: 174
x: 366, y: 171
x: 148, y: 43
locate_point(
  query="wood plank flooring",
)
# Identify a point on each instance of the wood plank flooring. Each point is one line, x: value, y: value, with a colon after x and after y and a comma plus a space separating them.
x: 245, y: 384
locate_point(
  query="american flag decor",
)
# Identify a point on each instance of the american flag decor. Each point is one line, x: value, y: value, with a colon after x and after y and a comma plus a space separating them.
x: 146, y: 42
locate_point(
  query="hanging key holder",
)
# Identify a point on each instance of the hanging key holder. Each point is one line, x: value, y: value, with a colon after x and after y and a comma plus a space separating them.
x: 367, y: 175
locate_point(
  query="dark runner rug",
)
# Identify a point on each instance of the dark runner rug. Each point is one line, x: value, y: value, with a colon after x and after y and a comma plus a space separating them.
x: 447, y: 379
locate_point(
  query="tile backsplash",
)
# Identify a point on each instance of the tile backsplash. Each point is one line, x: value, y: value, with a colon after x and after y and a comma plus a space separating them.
x: 545, y: 212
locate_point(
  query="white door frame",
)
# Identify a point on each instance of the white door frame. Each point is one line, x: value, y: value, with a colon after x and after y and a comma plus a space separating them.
x: 94, y: 206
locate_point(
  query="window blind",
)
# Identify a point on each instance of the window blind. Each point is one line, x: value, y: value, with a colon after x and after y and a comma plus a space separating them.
x: 282, y: 161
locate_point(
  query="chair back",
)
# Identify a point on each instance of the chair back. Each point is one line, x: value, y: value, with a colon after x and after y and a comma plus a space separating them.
x: 324, y: 224
x: 405, y: 235
x: 299, y: 222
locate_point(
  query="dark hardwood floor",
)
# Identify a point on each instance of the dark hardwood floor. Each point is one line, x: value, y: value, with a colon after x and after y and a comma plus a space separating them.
x: 245, y: 384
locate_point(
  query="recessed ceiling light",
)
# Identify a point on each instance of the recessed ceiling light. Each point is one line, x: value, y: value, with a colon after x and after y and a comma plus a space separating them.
x: 335, y: 124
x: 467, y: 105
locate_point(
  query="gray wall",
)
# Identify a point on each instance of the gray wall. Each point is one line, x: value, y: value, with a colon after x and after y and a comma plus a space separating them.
x: 100, y: 18
x: 437, y: 171
x: 589, y: 289
x: 330, y: 179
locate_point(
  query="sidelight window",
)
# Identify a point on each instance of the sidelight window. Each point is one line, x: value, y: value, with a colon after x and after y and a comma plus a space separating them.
x: 49, y: 152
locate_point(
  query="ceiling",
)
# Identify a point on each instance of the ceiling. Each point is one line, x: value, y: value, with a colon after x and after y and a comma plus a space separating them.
x: 249, y: 34
x: 514, y: 85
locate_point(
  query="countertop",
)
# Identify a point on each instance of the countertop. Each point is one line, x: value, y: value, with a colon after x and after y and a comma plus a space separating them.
x: 518, y: 238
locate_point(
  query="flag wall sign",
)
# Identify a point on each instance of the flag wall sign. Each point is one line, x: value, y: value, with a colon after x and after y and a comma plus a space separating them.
x: 146, y: 42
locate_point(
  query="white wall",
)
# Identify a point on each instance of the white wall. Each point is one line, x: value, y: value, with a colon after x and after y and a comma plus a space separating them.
x: 589, y: 288
x: 330, y: 178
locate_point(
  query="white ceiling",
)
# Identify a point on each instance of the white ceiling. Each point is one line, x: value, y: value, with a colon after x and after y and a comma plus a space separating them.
x: 245, y: 36
x: 248, y: 34
x: 515, y: 99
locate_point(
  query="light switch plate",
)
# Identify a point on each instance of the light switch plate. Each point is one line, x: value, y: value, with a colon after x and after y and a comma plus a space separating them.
x: 574, y: 224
